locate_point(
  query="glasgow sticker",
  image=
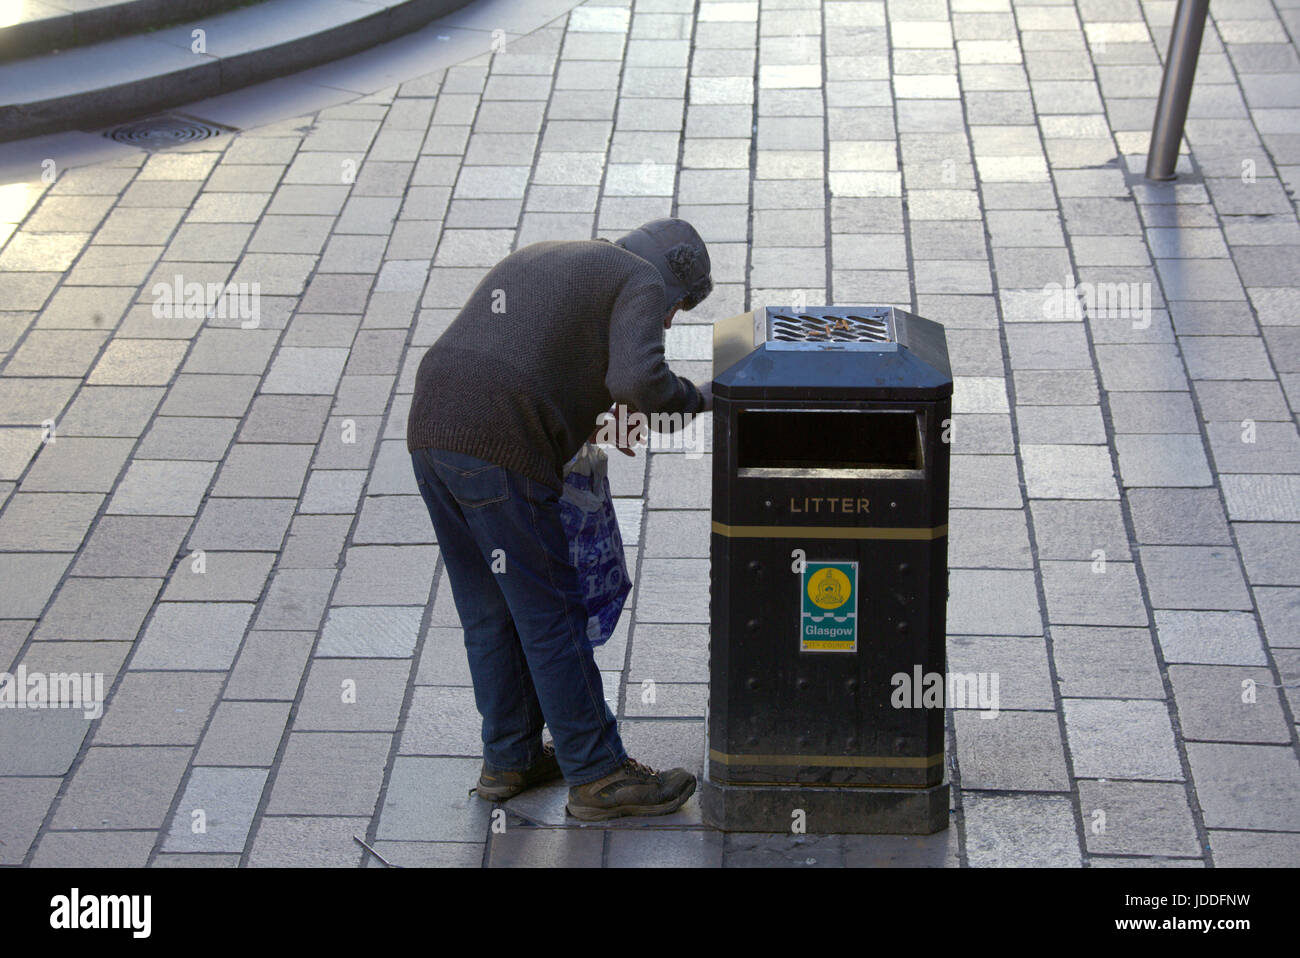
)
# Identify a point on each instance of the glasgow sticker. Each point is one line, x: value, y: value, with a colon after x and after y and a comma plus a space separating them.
x: 829, y: 619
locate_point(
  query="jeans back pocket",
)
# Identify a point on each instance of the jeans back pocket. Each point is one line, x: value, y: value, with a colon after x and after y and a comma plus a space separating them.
x: 473, y: 482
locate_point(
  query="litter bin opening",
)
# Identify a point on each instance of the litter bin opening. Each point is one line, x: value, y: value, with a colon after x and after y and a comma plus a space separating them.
x: 846, y: 442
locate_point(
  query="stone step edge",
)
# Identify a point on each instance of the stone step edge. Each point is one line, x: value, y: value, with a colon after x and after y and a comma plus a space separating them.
x: 75, y: 28
x: 97, y: 107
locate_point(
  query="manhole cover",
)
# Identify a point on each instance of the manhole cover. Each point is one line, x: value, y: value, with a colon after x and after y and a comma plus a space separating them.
x: 160, y: 132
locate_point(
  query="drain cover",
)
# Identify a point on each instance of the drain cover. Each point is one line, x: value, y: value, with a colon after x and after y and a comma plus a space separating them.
x: 168, y: 129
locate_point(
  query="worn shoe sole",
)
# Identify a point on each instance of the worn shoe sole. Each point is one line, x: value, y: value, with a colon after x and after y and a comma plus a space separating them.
x: 588, y: 814
x: 499, y: 793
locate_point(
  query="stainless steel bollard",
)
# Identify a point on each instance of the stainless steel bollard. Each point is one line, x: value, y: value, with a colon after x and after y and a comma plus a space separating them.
x: 1176, y: 88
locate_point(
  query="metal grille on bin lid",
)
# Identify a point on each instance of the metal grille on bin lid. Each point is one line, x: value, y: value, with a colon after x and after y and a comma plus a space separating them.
x: 831, y: 326
x: 850, y: 352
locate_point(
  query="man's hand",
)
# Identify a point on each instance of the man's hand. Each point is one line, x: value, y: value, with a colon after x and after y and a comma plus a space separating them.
x: 706, y: 394
x: 633, y: 434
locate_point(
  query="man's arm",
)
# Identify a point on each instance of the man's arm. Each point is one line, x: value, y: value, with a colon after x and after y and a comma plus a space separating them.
x: 638, y: 374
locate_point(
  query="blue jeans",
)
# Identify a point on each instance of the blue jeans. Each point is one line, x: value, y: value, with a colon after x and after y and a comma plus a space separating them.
x: 525, y: 624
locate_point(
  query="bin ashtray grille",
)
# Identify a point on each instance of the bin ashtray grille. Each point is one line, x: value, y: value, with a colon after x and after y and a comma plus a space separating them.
x: 830, y: 326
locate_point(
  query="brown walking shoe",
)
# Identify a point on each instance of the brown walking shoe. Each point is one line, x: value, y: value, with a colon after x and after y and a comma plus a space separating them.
x: 497, y: 785
x: 632, y: 789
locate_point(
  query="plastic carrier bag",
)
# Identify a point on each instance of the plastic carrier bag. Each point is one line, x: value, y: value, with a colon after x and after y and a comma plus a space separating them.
x: 595, y: 544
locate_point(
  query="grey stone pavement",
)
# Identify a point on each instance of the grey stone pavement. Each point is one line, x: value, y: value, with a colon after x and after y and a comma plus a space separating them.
x: 221, y: 519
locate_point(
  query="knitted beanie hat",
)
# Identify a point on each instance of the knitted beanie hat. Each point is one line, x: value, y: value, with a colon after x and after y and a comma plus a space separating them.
x: 674, y: 248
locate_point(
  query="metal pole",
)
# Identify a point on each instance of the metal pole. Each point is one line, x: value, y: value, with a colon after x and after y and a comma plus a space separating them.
x: 1176, y: 88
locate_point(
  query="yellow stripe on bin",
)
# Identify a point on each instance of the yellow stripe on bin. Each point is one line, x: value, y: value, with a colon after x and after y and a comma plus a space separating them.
x: 829, y: 532
x: 830, y: 761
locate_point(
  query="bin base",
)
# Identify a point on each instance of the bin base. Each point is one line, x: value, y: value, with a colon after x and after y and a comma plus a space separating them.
x: 827, y: 809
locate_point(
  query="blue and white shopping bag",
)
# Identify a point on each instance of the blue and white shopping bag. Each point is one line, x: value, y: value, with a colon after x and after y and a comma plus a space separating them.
x: 595, y: 544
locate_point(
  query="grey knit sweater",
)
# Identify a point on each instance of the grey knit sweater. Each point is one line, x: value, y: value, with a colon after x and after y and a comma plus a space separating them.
x: 550, y: 338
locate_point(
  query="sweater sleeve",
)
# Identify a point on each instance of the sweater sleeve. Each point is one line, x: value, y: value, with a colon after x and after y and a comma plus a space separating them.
x: 638, y: 374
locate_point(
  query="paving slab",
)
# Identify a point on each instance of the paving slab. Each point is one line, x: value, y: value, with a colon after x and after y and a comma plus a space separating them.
x: 132, y: 546
x: 1225, y: 704
x: 101, y: 849
x: 329, y: 773
x: 1098, y: 662
x: 295, y: 599
x: 47, y: 522
x: 243, y: 734
x: 158, y: 708
x: 241, y: 524
x: 663, y: 848
x: 1194, y: 577
x: 1121, y: 739
x: 42, y: 741
x: 1138, y: 818
x: 27, y: 580
x: 216, y: 810
x: 193, y: 635
x: 1020, y: 831
x: 220, y: 576
x: 347, y: 695
x: 270, y: 666
x: 325, y: 841
x: 993, y: 603
x: 118, y: 788
x: 1246, y: 786
x: 187, y: 438
x: 427, y: 800
x: 27, y: 801
x: 1247, y: 849
x: 1012, y: 751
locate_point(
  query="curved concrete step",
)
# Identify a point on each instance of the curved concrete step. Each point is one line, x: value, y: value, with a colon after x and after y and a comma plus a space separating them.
x: 32, y: 27
x: 96, y: 85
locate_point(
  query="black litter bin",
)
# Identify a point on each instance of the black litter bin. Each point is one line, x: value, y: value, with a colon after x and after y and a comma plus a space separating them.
x: 828, y: 572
